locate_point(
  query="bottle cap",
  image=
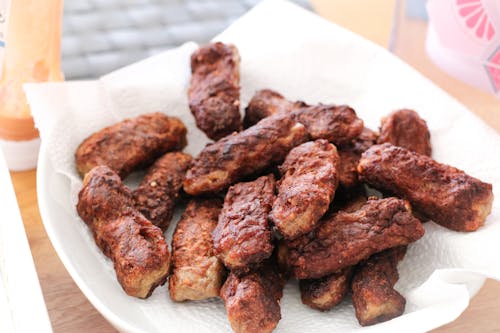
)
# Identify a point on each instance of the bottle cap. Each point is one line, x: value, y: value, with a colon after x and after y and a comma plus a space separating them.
x: 21, y: 155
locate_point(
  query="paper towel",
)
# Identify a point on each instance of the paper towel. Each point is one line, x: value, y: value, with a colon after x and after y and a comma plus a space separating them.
x: 305, y: 58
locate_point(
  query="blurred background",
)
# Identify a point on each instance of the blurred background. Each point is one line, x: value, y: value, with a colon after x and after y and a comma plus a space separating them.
x: 102, y: 35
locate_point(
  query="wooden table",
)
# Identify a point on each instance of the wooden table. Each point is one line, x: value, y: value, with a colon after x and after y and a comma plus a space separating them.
x: 70, y: 311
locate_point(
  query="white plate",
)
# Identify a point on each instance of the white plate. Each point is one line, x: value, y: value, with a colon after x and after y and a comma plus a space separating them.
x: 97, y: 282
x: 303, y: 57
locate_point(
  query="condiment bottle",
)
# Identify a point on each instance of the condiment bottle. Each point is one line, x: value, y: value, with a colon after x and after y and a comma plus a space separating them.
x: 30, y: 40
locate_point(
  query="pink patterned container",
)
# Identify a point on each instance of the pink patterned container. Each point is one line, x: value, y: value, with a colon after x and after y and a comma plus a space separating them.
x: 463, y: 39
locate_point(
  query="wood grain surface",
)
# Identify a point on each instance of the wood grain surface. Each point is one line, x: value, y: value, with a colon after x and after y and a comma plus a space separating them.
x: 70, y: 311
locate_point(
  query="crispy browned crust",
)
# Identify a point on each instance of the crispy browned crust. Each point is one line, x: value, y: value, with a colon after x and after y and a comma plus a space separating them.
x: 365, y: 140
x: 158, y: 192
x: 326, y: 292
x: 306, y: 189
x: 348, y: 176
x: 338, y: 124
x: 404, y: 128
x: 103, y: 196
x: 131, y: 144
x: 373, y: 295
x: 252, y: 300
x: 197, y: 273
x: 214, y: 94
x: 445, y: 194
x: 265, y: 103
x: 344, y: 239
x: 137, y: 248
x: 350, y: 154
x: 243, y: 238
x: 249, y: 152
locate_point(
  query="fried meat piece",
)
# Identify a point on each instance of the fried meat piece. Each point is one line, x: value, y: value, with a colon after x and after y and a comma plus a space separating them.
x: 137, y: 247
x: 265, y: 103
x: 338, y: 124
x: 131, y: 144
x: 138, y: 250
x: 404, y: 128
x: 344, y: 239
x: 243, y: 238
x: 335, y: 123
x: 252, y: 300
x: 443, y: 193
x: 158, y: 192
x: 350, y: 154
x: 197, y: 273
x: 103, y: 196
x: 326, y: 292
x: 306, y: 189
x: 249, y: 152
x: 348, y: 176
x: 373, y: 295
x: 214, y: 94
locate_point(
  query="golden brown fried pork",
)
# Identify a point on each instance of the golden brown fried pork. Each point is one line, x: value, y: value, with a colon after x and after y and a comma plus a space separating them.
x: 344, y: 239
x: 445, y: 194
x: 214, y: 94
x: 306, y: 189
x: 249, y: 152
x: 137, y: 248
x: 265, y: 103
x: 338, y: 124
x: 373, y: 294
x: 158, y: 192
x: 350, y: 153
x: 348, y: 176
x: 252, y: 300
x: 335, y: 123
x: 326, y: 292
x: 197, y: 273
x: 103, y: 196
x: 404, y: 128
x: 131, y: 144
x: 243, y: 238
x: 375, y: 298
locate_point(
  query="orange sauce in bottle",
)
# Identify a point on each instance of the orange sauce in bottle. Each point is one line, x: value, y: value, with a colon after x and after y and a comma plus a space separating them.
x: 30, y: 40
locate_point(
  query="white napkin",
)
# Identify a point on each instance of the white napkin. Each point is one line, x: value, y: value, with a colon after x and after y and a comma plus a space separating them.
x: 303, y: 57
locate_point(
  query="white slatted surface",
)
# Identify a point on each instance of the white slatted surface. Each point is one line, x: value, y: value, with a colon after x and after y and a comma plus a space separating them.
x: 102, y: 35
x: 22, y: 309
